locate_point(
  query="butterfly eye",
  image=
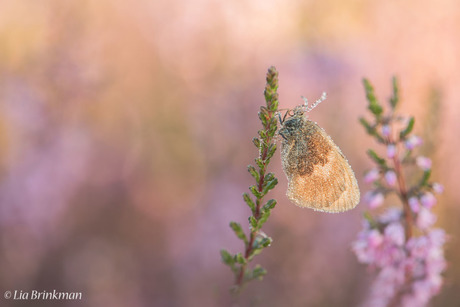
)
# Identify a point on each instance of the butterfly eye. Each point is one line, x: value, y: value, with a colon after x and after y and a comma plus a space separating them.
x: 292, y: 124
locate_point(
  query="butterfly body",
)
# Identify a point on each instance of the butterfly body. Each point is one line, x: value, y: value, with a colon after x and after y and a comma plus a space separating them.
x: 319, y: 176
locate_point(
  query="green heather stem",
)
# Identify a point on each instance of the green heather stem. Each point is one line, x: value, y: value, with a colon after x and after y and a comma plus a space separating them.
x: 377, y: 110
x: 265, y: 142
x: 249, y: 246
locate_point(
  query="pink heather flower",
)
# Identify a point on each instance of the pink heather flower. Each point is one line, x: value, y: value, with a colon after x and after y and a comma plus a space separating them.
x: 435, y: 263
x: 395, y: 233
x: 411, y: 301
x: 374, y: 238
x: 418, y: 246
x: 425, y: 218
x: 428, y: 263
x: 423, y: 162
x: 409, y: 272
x: 424, y: 289
x: 386, y: 285
x: 391, y: 151
x: 367, y: 245
x: 422, y: 257
x: 435, y: 281
x: 411, y: 265
x: 414, y: 204
x: 437, y: 236
x: 392, y: 214
x: 438, y: 188
x: 371, y: 175
x: 373, y: 199
x: 413, y: 141
x: 359, y: 247
x: 428, y: 200
x: 419, y: 296
x: 386, y: 130
x: 390, y: 178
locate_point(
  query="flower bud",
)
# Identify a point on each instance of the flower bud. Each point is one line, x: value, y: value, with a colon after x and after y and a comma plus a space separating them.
x: 423, y: 162
x: 390, y: 178
x: 391, y: 151
x: 438, y: 188
x: 413, y: 141
x: 386, y: 130
x: 374, y: 199
x: 414, y: 204
x: 371, y: 175
x: 428, y: 200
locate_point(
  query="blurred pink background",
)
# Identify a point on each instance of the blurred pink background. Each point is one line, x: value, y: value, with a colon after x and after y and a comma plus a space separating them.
x: 126, y: 127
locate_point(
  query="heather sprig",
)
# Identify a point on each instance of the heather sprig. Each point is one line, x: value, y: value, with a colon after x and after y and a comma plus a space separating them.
x: 265, y: 181
x: 398, y: 240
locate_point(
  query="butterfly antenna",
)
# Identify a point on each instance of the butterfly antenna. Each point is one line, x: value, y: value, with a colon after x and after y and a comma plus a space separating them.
x: 317, y: 102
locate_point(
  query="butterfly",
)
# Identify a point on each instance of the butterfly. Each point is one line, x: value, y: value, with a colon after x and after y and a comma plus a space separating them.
x: 319, y: 176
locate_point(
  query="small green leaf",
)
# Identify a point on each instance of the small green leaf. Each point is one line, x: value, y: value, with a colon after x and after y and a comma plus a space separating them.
x: 238, y: 231
x: 272, y: 129
x: 425, y: 178
x: 270, y: 204
x: 263, y: 146
x: 269, y: 94
x: 226, y: 257
x: 408, y: 129
x: 259, y: 244
x: 254, y: 252
x: 271, y: 150
x: 373, y: 155
x: 273, y: 106
x: 366, y: 125
x: 262, y: 134
x: 395, y: 98
x: 256, y: 248
x: 258, y: 272
x: 263, y: 118
x: 256, y: 142
x: 264, y: 110
x: 371, y: 130
x: 376, y: 109
x: 269, y: 177
x: 240, y: 259
x: 269, y: 185
x: 264, y: 217
x: 267, y: 160
x: 254, y: 173
x: 374, y: 105
x: 260, y: 163
x: 249, y: 201
x: 254, y: 190
x: 265, y: 242
x: 264, y: 113
x: 253, y: 222
x: 274, y: 121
